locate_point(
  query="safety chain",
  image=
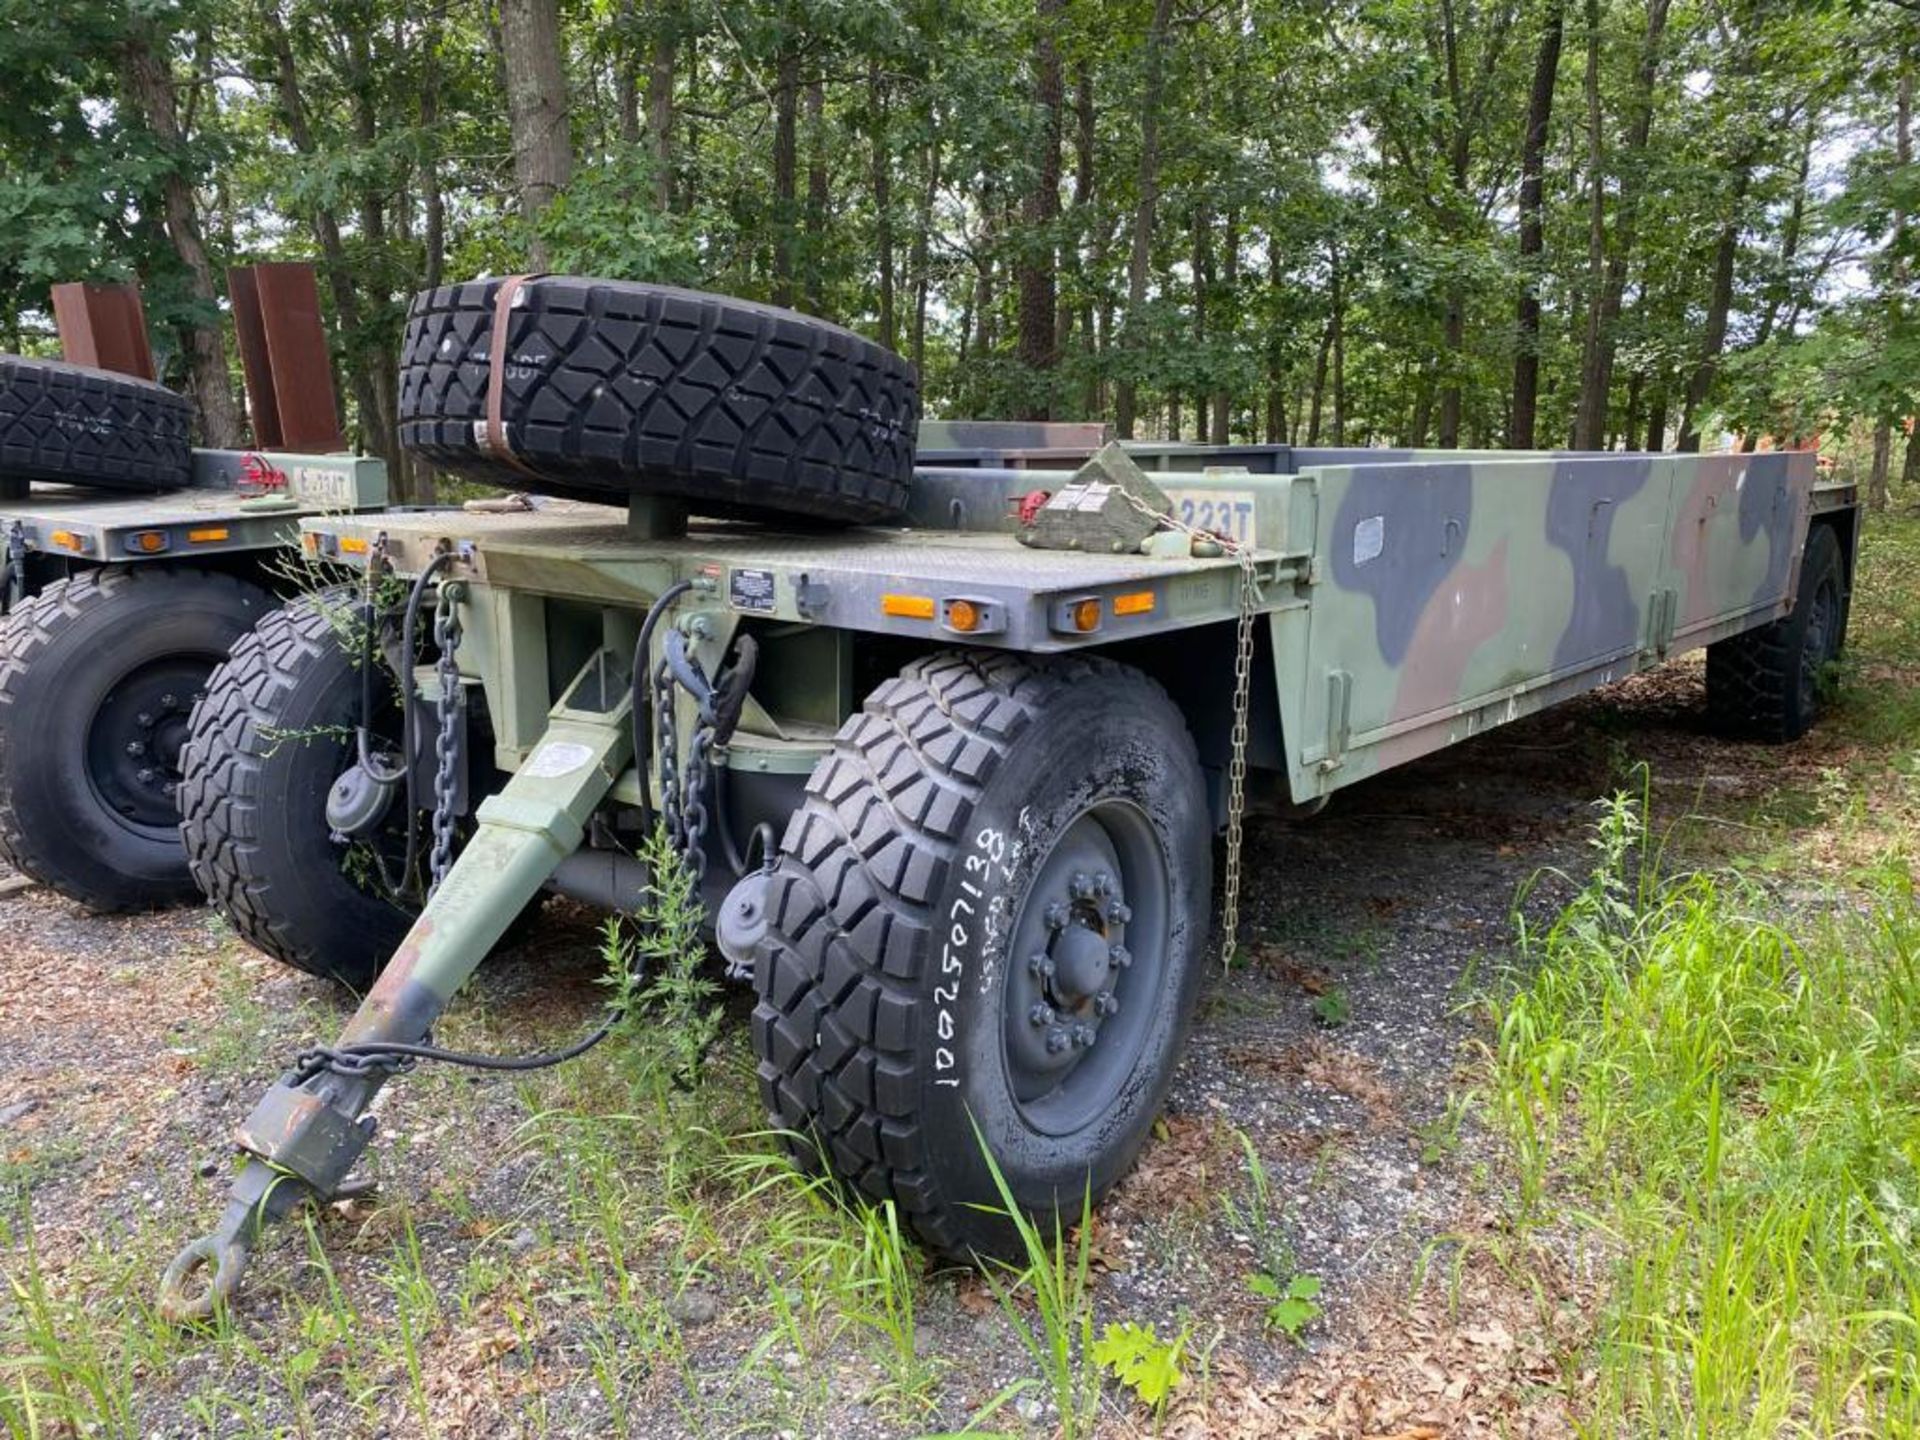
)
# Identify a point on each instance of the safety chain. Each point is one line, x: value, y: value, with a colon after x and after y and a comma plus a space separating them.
x: 446, y: 746
x: 349, y: 1062
x: 1249, y: 601
x: 683, y: 798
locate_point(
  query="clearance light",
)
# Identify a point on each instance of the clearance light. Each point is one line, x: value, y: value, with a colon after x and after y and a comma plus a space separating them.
x: 963, y: 615
x: 146, y: 542
x: 310, y: 544
x: 68, y: 540
x: 353, y: 545
x: 210, y: 535
x: 1139, y: 602
x: 1086, y: 615
x: 908, y: 607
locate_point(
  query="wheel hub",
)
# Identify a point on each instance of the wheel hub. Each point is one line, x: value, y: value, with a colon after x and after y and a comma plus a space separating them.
x: 134, y: 743
x: 1066, y: 998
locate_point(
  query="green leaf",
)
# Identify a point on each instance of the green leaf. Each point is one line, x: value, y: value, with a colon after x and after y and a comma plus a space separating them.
x: 1304, y: 1287
x: 1138, y: 1358
x: 1264, y: 1286
x: 1292, y: 1315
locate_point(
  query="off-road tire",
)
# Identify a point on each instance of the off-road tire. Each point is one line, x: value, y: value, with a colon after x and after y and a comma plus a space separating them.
x: 1765, y: 684
x: 73, y: 425
x: 616, y: 388
x: 873, y: 1054
x: 89, y: 667
x: 272, y: 735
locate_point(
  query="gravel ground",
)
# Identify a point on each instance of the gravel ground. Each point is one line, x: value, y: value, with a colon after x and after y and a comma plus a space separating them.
x: 129, y: 1046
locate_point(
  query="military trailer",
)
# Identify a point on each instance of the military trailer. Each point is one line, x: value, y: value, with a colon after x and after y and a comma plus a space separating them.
x: 951, y: 775
x: 129, y: 563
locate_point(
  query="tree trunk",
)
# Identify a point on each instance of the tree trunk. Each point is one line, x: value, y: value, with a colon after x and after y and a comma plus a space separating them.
x: 1597, y: 351
x: 1533, y: 151
x: 626, y: 73
x: 1230, y: 286
x: 1202, y: 264
x: 786, y: 170
x: 1657, y: 417
x: 882, y: 180
x: 148, y: 82
x: 536, y: 110
x: 1882, y: 460
x: 1319, y: 383
x: 1719, y: 303
x: 1140, y: 257
x: 919, y: 258
x: 433, y: 199
x: 1039, y: 346
x: 363, y: 363
x: 1337, y: 298
x: 817, y: 199
x: 661, y: 59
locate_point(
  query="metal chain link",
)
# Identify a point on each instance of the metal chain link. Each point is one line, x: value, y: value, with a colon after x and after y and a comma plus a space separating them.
x: 683, y: 796
x: 446, y: 745
x: 1249, y: 600
x: 16, y: 564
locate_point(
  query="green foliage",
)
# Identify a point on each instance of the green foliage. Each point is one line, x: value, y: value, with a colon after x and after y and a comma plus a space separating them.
x: 1292, y: 1305
x: 1730, y: 1100
x: 658, y: 971
x: 1333, y: 1007
x: 1140, y: 1360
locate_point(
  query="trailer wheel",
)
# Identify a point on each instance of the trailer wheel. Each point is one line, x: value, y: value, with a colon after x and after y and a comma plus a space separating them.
x: 612, y: 388
x: 272, y: 735
x: 74, y: 425
x: 990, y: 911
x: 1765, y: 684
x: 97, y: 677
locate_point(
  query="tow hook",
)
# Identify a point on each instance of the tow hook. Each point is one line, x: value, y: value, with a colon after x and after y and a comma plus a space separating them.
x: 301, y: 1140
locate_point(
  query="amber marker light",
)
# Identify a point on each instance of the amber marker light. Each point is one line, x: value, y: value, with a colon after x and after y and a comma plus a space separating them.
x: 208, y: 535
x: 1086, y: 615
x: 146, y: 542
x: 353, y: 545
x: 907, y: 607
x: 963, y: 615
x: 67, y: 540
x: 1138, y: 602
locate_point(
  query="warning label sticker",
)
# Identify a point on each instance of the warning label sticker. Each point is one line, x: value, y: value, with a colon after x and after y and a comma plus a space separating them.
x: 751, y: 590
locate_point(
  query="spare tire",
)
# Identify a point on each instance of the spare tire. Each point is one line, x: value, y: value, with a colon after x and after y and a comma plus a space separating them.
x: 613, y: 388
x: 78, y: 426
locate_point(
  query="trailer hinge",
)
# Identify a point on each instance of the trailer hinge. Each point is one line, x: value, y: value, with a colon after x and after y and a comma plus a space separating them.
x: 1339, y: 718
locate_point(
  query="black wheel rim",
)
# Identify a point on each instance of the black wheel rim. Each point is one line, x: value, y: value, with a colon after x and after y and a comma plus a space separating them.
x: 134, y: 742
x: 1816, y: 645
x: 1085, y: 968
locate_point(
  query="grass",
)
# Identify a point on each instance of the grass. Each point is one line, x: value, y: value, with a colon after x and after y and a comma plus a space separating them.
x: 1729, y: 1106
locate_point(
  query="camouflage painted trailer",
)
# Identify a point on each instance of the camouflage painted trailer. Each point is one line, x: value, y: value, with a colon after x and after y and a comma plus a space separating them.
x: 986, y: 754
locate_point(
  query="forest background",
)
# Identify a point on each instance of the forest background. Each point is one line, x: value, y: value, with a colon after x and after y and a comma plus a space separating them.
x: 1477, y: 223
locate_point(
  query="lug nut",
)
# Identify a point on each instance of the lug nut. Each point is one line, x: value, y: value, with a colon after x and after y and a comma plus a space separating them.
x: 1118, y: 957
x: 1041, y: 1014
x: 1119, y: 914
x: 167, y: 702
x: 143, y: 719
x: 145, y: 777
x: 1056, y: 916
x: 1083, y: 1036
x: 1057, y: 1041
x: 1103, y: 884
x: 1041, y: 964
x: 1081, y: 886
x: 1105, y: 1004
x: 134, y: 747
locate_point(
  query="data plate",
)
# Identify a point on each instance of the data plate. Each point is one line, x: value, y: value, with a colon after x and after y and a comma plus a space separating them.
x: 1218, y: 512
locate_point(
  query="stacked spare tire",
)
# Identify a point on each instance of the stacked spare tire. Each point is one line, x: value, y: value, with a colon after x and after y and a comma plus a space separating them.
x: 602, y: 389
x: 73, y: 425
